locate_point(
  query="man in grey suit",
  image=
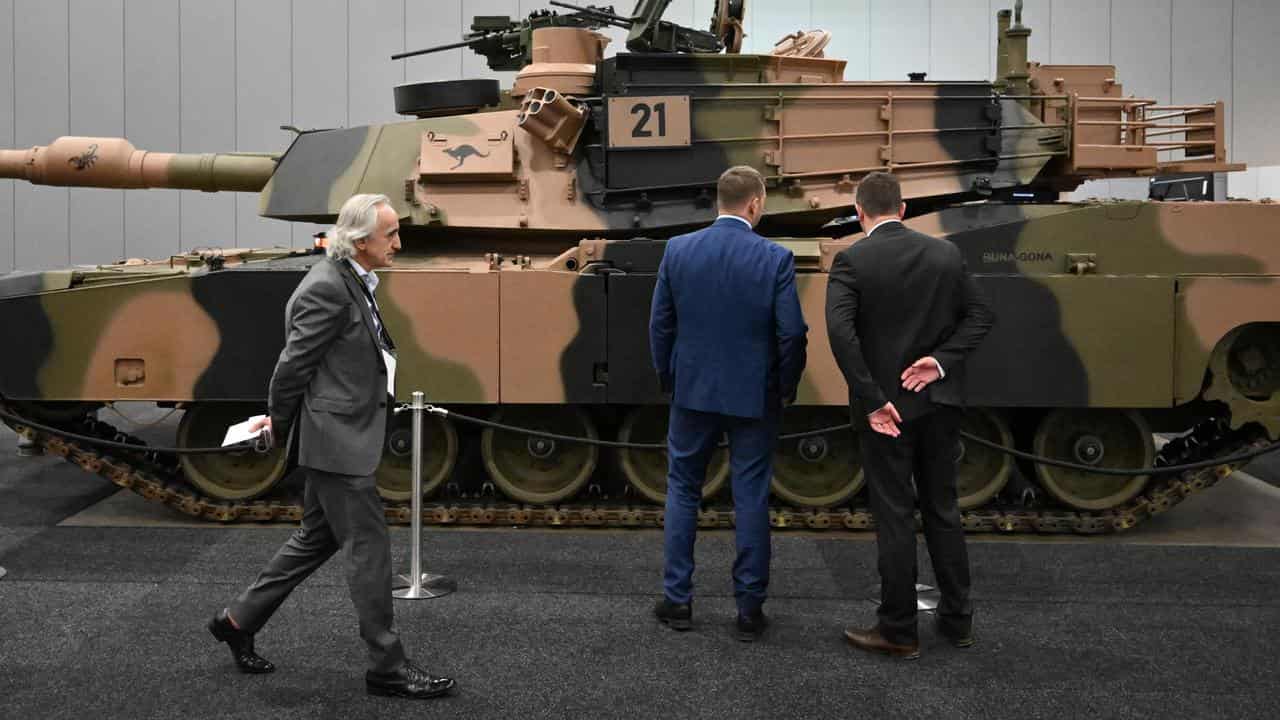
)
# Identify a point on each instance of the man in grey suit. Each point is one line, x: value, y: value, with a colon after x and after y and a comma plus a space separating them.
x: 332, y: 378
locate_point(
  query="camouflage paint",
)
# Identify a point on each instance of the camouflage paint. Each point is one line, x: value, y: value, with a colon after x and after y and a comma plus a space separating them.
x: 1145, y: 254
x: 529, y: 313
x: 96, y: 326
x: 788, y: 117
x: 247, y: 304
x: 445, y: 326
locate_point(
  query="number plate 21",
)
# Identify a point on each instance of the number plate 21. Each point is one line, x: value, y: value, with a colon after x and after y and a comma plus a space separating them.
x: 657, y: 121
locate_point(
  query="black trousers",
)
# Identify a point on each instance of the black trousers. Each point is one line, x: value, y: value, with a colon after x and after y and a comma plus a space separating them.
x: 926, y: 450
x: 339, y: 512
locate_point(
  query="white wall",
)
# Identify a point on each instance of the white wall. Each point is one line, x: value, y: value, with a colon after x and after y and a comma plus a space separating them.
x: 7, y: 250
x: 205, y: 75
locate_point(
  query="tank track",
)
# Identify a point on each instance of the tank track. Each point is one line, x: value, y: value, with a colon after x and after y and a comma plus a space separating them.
x: 157, y: 477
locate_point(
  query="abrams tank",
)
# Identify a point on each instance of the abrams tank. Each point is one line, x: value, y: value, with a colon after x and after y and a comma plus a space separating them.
x: 533, y: 221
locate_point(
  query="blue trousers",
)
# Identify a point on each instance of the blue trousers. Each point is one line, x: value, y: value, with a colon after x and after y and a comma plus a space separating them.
x: 692, y: 437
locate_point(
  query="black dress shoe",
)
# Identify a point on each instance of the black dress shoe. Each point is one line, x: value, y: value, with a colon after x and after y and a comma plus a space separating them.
x: 241, y: 644
x: 410, y: 682
x: 751, y: 625
x: 872, y: 641
x: 677, y: 616
x: 958, y: 638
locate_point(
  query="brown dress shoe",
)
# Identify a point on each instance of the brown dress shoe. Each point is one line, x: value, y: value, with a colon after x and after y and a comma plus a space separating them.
x: 872, y: 641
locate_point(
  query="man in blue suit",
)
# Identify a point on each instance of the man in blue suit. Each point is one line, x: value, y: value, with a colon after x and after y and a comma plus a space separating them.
x: 728, y: 342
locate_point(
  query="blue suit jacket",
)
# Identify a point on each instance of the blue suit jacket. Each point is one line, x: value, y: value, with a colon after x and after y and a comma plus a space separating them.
x: 725, y: 328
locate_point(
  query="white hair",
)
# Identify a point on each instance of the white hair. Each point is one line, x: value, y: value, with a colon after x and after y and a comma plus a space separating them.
x: 357, y: 220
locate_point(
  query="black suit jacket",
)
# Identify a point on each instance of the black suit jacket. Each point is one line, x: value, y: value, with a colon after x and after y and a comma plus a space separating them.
x: 894, y: 297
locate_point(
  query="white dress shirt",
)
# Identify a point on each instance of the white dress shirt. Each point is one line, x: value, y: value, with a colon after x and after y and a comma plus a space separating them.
x: 370, y: 280
x: 739, y: 218
x: 882, y: 222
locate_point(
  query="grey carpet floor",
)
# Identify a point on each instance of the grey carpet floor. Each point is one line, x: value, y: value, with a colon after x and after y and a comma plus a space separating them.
x: 108, y: 622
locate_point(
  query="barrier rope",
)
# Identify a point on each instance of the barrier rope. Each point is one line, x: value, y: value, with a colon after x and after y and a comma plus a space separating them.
x: 1039, y: 459
x: 259, y: 445
x: 262, y: 445
x: 1159, y: 470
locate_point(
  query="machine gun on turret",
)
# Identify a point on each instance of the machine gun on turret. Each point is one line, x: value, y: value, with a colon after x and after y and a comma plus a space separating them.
x: 507, y: 44
x: 648, y: 32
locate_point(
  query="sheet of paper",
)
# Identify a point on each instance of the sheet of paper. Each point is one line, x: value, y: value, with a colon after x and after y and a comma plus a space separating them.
x: 390, y: 360
x: 240, y: 431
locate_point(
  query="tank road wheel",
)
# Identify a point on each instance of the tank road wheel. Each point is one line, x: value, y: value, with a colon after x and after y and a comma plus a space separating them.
x: 819, y: 470
x: 646, y: 470
x: 1105, y: 438
x: 982, y: 472
x: 227, y: 477
x: 1243, y: 374
x: 536, y: 470
x: 439, y: 453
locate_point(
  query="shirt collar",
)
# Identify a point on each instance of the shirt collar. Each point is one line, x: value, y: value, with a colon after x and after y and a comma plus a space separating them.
x: 368, y: 277
x: 735, y: 217
x: 883, y: 222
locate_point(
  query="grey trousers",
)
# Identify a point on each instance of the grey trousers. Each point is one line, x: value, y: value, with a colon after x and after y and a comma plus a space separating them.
x: 339, y: 512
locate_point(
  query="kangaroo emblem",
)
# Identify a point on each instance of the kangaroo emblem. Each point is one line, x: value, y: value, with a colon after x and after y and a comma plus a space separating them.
x: 86, y: 159
x: 461, y: 153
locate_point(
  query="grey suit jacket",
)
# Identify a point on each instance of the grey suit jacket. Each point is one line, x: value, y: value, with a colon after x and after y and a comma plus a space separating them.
x: 331, y: 378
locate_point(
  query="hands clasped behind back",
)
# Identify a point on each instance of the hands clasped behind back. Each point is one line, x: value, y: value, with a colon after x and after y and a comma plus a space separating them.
x: 919, y: 375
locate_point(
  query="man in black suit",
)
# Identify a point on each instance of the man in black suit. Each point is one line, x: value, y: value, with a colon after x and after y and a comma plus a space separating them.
x: 902, y: 314
x: 332, y: 383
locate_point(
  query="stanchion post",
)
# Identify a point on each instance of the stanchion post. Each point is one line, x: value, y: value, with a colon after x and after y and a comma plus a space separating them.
x: 28, y: 447
x: 418, y: 585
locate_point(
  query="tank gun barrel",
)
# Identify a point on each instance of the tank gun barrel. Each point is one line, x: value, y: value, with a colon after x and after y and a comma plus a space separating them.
x: 595, y: 12
x: 438, y: 48
x: 116, y: 163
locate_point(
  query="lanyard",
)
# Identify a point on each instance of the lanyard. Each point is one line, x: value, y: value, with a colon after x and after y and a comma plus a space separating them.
x: 384, y: 336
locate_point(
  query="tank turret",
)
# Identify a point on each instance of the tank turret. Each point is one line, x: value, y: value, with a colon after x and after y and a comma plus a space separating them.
x: 583, y: 145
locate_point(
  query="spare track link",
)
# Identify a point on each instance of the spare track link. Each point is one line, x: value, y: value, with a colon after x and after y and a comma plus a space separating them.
x: 156, y: 477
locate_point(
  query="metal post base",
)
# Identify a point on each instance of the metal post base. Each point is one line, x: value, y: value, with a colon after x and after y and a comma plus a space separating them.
x: 927, y: 597
x: 432, y: 586
x: 29, y: 448
x: 418, y: 585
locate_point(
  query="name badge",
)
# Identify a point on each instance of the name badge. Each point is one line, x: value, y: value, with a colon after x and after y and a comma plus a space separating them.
x: 390, y: 361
